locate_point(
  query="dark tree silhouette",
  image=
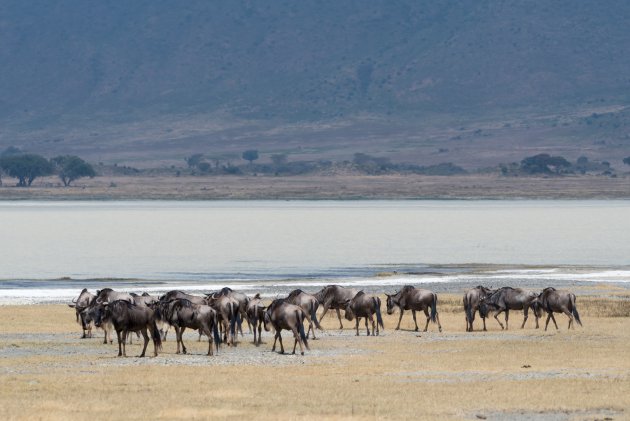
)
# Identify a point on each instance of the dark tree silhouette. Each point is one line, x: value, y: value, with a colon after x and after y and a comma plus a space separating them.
x: 71, y: 167
x: 26, y: 167
x: 250, y: 155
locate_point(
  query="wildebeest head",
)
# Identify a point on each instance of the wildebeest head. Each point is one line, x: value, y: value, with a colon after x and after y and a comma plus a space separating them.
x: 348, y: 310
x: 392, y: 303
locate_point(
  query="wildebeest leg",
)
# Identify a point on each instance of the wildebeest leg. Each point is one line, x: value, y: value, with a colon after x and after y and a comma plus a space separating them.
x: 324, y: 312
x: 275, y: 339
x: 260, y: 326
x: 374, y: 326
x: 496, y: 314
x: 177, y: 339
x: 400, y: 318
x: 339, y: 317
x: 569, y: 315
x: 426, y: 313
x: 146, y: 341
x: 525, y: 315
x: 547, y: 322
x: 296, y: 336
x: 124, y: 342
x: 119, y: 346
x: 356, y: 320
x: 554, y: 320
x: 437, y: 319
x: 281, y: 346
x: 181, y: 338
x: 484, y: 324
x: 367, y: 328
x: 507, y: 315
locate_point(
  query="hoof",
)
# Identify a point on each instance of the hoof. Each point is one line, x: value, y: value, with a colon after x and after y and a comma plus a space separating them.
x: 302, y: 353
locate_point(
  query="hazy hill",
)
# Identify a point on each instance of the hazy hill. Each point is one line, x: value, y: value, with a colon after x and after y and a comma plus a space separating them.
x: 154, y: 79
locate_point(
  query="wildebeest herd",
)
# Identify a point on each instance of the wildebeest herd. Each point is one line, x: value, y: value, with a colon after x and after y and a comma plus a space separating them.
x: 219, y: 315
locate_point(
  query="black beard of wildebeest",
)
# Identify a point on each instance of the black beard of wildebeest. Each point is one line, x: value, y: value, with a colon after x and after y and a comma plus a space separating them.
x: 334, y: 297
x: 309, y: 304
x: 182, y: 314
x: 242, y: 301
x: 472, y: 299
x: 82, y: 302
x: 552, y: 300
x: 127, y: 317
x: 411, y: 298
x: 508, y: 298
x: 363, y: 305
x: 256, y: 316
x: 282, y: 315
x: 227, y: 309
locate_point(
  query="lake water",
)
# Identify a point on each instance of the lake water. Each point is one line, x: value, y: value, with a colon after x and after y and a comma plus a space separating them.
x: 255, y: 244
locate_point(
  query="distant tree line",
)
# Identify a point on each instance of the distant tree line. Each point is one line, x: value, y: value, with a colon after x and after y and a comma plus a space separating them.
x: 545, y: 164
x: 26, y: 167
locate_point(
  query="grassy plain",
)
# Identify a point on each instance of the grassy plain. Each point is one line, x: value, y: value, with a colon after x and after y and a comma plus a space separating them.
x: 163, y: 187
x: 46, y: 372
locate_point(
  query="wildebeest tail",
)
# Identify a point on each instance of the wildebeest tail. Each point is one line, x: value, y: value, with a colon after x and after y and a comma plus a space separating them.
x: 300, y: 319
x: 574, y: 311
x: 314, y: 305
x: 233, y: 315
x: 157, y: 338
x: 467, y: 309
x: 215, y: 332
x: 379, y: 318
x: 434, y: 308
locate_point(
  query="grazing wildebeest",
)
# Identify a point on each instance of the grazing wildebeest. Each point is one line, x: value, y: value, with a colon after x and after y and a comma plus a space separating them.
x: 79, y: 304
x: 472, y: 299
x: 181, y: 314
x: 334, y: 297
x: 508, y: 298
x: 128, y: 317
x: 411, y: 298
x: 94, y: 313
x: 256, y: 316
x: 227, y: 309
x: 242, y: 300
x: 554, y: 301
x: 282, y: 315
x: 364, y: 305
x: 309, y: 304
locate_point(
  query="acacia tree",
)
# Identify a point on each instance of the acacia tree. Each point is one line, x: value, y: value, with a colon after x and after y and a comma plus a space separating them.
x: 250, y: 155
x: 71, y: 167
x: 26, y: 167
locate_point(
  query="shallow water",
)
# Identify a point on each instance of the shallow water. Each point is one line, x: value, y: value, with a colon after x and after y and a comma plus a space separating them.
x: 267, y: 246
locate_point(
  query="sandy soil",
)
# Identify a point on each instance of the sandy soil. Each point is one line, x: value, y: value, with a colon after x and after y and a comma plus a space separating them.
x: 47, y: 372
x: 324, y: 187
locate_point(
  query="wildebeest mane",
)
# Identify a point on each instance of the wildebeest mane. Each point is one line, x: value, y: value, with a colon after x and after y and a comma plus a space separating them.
x: 294, y: 293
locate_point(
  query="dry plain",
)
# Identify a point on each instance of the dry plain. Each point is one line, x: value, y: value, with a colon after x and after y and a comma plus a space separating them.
x: 47, y: 372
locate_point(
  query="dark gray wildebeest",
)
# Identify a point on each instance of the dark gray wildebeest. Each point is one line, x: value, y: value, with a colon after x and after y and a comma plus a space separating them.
x: 411, y: 298
x: 508, y: 298
x: 242, y: 300
x: 174, y: 295
x: 181, y: 314
x: 256, y: 316
x: 553, y: 301
x: 128, y: 317
x: 472, y: 300
x: 282, y: 315
x: 309, y: 304
x: 364, y: 305
x: 334, y: 297
x: 109, y: 295
x: 228, y: 312
x: 79, y: 304
x: 94, y: 314
x: 144, y: 300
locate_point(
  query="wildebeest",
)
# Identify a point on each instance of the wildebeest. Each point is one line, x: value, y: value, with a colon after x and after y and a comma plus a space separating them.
x: 173, y: 295
x: 228, y: 312
x: 282, y: 315
x: 334, y: 297
x: 241, y: 299
x: 364, y: 305
x: 411, y: 298
x: 472, y: 299
x: 508, y: 298
x: 109, y: 295
x: 555, y: 301
x: 309, y: 304
x: 79, y: 304
x: 128, y: 317
x: 256, y: 316
x: 181, y: 314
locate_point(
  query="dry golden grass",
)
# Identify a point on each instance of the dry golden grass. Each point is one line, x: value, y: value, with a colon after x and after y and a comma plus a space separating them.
x: 398, y: 375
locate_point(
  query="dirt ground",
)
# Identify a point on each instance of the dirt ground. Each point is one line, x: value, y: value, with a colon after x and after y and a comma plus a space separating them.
x: 47, y: 372
x: 323, y: 187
